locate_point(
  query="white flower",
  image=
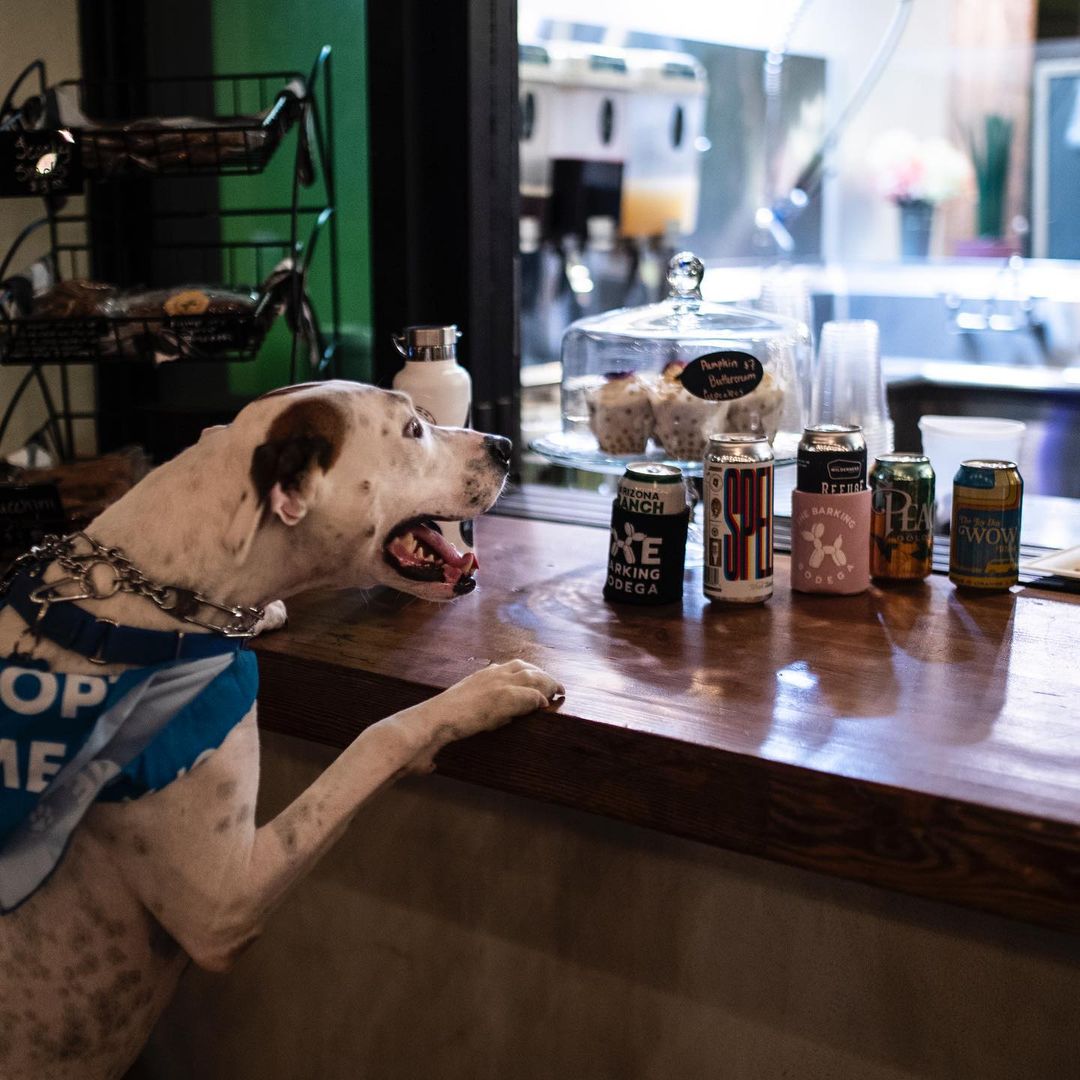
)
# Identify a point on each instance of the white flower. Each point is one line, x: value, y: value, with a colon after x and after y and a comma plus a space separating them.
x: 904, y: 167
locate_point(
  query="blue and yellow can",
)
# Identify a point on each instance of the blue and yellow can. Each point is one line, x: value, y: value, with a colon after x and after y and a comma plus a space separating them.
x: 984, y: 544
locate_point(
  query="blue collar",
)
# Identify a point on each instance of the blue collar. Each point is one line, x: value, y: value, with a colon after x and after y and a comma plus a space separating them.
x: 104, y: 641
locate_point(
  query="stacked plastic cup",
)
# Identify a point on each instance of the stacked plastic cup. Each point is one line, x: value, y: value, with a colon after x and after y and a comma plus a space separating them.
x: 849, y: 384
x: 785, y: 292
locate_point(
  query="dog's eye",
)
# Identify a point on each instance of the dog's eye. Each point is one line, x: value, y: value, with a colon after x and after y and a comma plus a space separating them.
x: 413, y: 428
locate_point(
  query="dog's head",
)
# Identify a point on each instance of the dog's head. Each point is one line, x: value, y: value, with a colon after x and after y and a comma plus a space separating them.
x: 360, y: 477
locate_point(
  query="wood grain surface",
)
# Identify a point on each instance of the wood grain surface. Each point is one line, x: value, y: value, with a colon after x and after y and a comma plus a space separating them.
x: 911, y: 737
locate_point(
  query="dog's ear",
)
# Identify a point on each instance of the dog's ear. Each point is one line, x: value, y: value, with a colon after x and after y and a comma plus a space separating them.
x: 287, y: 469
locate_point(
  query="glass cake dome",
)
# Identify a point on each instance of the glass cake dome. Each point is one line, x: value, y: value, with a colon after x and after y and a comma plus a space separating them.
x: 655, y: 382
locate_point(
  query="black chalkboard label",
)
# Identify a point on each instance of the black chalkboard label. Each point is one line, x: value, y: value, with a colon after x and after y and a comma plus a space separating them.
x: 722, y: 376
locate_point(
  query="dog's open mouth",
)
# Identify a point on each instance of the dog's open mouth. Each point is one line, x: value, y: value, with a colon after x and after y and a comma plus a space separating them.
x: 419, y: 551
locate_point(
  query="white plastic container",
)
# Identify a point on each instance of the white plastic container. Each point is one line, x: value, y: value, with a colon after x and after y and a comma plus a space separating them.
x: 949, y: 440
x: 589, y: 107
x: 441, y: 390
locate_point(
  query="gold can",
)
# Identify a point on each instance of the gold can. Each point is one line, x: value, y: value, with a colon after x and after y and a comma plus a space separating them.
x: 902, y: 517
x: 984, y: 542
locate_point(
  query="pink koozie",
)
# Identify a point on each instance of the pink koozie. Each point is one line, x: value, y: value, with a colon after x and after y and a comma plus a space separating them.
x: 830, y: 542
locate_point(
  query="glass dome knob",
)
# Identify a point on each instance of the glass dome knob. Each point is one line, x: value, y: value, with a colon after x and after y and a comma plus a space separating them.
x: 684, y: 275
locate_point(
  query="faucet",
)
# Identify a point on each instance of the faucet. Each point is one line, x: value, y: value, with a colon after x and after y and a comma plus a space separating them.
x: 783, y: 203
x: 993, y: 320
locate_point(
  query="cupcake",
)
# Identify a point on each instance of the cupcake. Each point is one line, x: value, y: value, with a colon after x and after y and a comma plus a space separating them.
x: 620, y: 414
x: 683, y: 422
x: 760, y: 410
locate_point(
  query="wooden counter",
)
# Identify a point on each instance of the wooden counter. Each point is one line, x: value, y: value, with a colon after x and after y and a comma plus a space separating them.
x: 912, y: 738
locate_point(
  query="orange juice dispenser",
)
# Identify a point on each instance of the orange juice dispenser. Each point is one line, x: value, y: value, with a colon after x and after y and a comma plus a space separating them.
x: 665, y: 131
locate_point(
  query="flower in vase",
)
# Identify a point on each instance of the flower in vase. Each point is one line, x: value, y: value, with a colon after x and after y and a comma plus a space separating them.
x: 908, y: 169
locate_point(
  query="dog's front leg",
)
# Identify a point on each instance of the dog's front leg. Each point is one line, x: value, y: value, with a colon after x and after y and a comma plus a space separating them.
x: 211, y: 879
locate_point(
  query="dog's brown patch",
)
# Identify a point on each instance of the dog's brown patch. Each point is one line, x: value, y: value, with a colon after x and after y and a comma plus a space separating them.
x: 308, y: 433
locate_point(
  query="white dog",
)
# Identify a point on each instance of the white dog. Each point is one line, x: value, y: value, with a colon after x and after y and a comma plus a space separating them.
x: 322, y: 485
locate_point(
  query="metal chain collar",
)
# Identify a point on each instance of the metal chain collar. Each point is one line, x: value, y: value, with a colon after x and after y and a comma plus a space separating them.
x: 78, y: 584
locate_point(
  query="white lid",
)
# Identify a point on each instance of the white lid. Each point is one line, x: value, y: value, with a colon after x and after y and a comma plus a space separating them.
x: 684, y: 316
x: 675, y: 73
x: 967, y: 426
x: 575, y: 64
x: 534, y: 64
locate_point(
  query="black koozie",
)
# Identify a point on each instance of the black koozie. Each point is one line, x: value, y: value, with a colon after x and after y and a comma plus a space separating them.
x: 646, y: 555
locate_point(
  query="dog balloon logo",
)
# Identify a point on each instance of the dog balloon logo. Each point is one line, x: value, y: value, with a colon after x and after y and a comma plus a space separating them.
x: 625, y: 545
x: 834, y: 550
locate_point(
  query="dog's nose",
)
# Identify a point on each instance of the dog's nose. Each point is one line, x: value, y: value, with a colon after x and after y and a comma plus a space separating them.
x: 500, y: 449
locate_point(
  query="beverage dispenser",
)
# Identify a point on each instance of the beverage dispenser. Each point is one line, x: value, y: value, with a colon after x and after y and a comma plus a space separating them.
x: 610, y: 142
x: 662, y: 175
x: 589, y: 137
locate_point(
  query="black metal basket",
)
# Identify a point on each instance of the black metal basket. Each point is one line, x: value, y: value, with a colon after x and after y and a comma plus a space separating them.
x: 164, y: 144
x: 215, y: 124
x: 137, y: 339
x: 232, y: 336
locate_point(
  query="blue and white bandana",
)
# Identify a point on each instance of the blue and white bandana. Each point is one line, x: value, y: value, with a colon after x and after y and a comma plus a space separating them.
x: 67, y: 741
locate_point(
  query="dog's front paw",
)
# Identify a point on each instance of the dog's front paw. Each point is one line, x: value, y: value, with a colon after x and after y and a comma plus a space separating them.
x: 485, y: 700
x: 274, y: 617
x: 493, y: 696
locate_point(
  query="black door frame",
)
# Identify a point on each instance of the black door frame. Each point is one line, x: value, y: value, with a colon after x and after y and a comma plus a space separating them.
x: 442, y: 83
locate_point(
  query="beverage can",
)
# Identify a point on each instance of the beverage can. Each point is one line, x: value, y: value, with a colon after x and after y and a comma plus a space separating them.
x: 649, y: 518
x: 984, y: 542
x: 831, y: 459
x: 902, y: 517
x: 738, y: 493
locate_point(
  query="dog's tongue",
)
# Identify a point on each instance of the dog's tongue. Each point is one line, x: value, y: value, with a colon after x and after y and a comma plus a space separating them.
x: 455, y: 565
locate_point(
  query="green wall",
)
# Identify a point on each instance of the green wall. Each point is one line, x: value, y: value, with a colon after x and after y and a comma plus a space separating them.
x: 276, y: 35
